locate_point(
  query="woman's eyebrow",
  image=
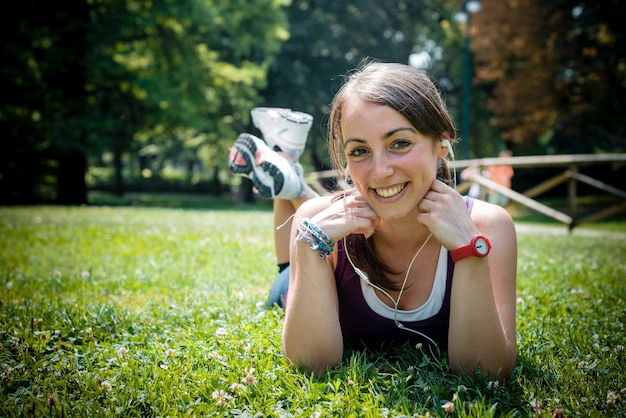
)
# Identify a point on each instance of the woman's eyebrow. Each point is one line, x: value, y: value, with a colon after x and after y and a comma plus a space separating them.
x: 360, y: 141
x: 395, y: 131
x: 385, y: 136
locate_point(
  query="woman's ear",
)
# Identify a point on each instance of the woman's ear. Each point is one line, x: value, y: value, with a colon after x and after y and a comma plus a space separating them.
x: 446, y: 149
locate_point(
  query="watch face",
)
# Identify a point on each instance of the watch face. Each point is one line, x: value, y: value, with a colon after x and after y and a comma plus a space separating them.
x: 481, y: 246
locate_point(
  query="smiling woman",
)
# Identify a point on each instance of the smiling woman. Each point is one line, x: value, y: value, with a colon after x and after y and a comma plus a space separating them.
x: 388, y: 158
x: 395, y: 258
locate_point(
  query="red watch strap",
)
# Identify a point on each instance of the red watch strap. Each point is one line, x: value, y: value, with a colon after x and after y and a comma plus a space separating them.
x: 470, y: 249
x: 462, y: 252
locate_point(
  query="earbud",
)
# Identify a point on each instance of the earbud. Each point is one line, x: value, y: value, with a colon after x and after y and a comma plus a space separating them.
x: 446, y: 143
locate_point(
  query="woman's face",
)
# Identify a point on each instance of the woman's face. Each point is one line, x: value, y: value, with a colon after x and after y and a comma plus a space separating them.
x: 391, y: 164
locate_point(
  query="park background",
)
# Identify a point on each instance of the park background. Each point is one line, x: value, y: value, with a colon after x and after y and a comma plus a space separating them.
x: 122, y: 96
x: 133, y: 281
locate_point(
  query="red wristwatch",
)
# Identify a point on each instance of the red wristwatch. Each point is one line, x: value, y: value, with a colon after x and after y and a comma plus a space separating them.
x: 479, y: 246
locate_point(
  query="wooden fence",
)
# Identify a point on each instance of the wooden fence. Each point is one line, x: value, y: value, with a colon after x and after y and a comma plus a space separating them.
x: 571, y: 165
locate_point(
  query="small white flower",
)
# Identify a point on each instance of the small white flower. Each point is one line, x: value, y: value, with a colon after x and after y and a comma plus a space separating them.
x: 537, y: 406
x: 170, y: 352
x: 106, y: 386
x: 221, y: 333
x: 493, y: 385
x: 448, y: 407
x: 249, y: 379
x: 220, y: 397
x: 122, y: 352
x: 612, y: 397
x: 85, y: 274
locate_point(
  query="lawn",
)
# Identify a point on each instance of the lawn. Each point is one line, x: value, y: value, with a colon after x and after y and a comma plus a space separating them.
x: 134, y: 311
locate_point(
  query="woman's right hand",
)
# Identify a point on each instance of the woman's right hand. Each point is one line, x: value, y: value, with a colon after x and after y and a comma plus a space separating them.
x: 348, y: 215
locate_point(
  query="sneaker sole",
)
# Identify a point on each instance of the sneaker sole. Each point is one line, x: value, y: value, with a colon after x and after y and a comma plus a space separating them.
x: 246, y: 148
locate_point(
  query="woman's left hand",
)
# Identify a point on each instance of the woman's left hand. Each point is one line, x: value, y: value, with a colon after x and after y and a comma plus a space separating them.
x: 444, y: 213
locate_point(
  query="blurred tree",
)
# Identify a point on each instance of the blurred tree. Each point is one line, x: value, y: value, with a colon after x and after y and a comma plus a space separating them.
x: 558, y: 72
x: 186, y: 73
x: 42, y: 94
x: 329, y: 38
x: 121, y: 75
x: 445, y: 43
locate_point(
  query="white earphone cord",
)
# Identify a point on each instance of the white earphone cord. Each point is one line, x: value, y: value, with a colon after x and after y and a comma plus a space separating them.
x: 395, y: 302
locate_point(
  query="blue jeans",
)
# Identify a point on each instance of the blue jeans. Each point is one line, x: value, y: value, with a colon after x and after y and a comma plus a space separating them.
x: 279, y: 289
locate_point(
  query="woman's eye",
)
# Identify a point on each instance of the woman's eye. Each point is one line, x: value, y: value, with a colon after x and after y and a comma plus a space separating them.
x: 357, y: 152
x: 401, y: 144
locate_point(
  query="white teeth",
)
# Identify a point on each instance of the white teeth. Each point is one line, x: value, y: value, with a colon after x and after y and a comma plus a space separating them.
x: 389, y: 192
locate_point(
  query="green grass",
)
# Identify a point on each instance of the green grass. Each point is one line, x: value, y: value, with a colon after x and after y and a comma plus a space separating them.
x: 160, y: 312
x: 175, y: 201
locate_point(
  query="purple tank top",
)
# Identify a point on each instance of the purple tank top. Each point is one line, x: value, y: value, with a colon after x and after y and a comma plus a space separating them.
x: 360, y: 325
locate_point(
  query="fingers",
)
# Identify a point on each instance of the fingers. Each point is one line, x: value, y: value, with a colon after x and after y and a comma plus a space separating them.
x: 440, y: 197
x: 444, y: 213
x: 350, y: 215
x: 360, y: 216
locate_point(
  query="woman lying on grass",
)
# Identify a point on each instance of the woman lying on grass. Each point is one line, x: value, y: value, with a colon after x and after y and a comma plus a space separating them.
x: 399, y: 257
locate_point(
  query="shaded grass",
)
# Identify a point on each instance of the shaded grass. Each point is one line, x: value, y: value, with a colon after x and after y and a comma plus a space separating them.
x: 176, y: 201
x: 152, y: 311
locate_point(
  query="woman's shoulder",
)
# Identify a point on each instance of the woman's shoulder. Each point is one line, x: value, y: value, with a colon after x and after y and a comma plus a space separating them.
x: 490, y: 217
x: 317, y: 204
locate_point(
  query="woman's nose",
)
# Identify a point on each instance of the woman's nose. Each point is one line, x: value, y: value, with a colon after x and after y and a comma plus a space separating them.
x: 381, y: 167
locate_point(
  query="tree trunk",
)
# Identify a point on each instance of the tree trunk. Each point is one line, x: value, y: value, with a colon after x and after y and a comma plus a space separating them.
x: 68, y: 79
x: 216, y: 184
x: 71, y: 187
x: 245, y: 194
x: 118, y: 178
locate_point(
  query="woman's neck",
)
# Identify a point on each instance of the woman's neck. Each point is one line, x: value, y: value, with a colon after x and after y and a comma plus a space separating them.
x: 406, y: 234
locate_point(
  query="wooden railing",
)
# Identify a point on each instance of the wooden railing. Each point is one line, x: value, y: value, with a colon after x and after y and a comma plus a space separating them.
x: 571, y: 165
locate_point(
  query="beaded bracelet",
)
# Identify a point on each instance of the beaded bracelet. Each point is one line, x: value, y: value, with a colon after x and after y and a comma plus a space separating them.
x: 312, y: 234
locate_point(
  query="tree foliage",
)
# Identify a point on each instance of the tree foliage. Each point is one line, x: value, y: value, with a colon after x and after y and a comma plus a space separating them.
x: 329, y: 38
x: 122, y: 75
x: 557, y: 70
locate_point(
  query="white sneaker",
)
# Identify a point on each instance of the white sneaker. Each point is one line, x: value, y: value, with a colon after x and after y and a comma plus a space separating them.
x: 283, y: 128
x: 272, y: 174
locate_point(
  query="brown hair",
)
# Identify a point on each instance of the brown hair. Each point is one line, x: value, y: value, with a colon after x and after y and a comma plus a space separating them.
x: 411, y: 93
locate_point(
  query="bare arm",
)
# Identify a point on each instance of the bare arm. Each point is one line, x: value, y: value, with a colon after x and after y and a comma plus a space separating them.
x: 482, y: 311
x: 312, y: 334
x: 482, y: 314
